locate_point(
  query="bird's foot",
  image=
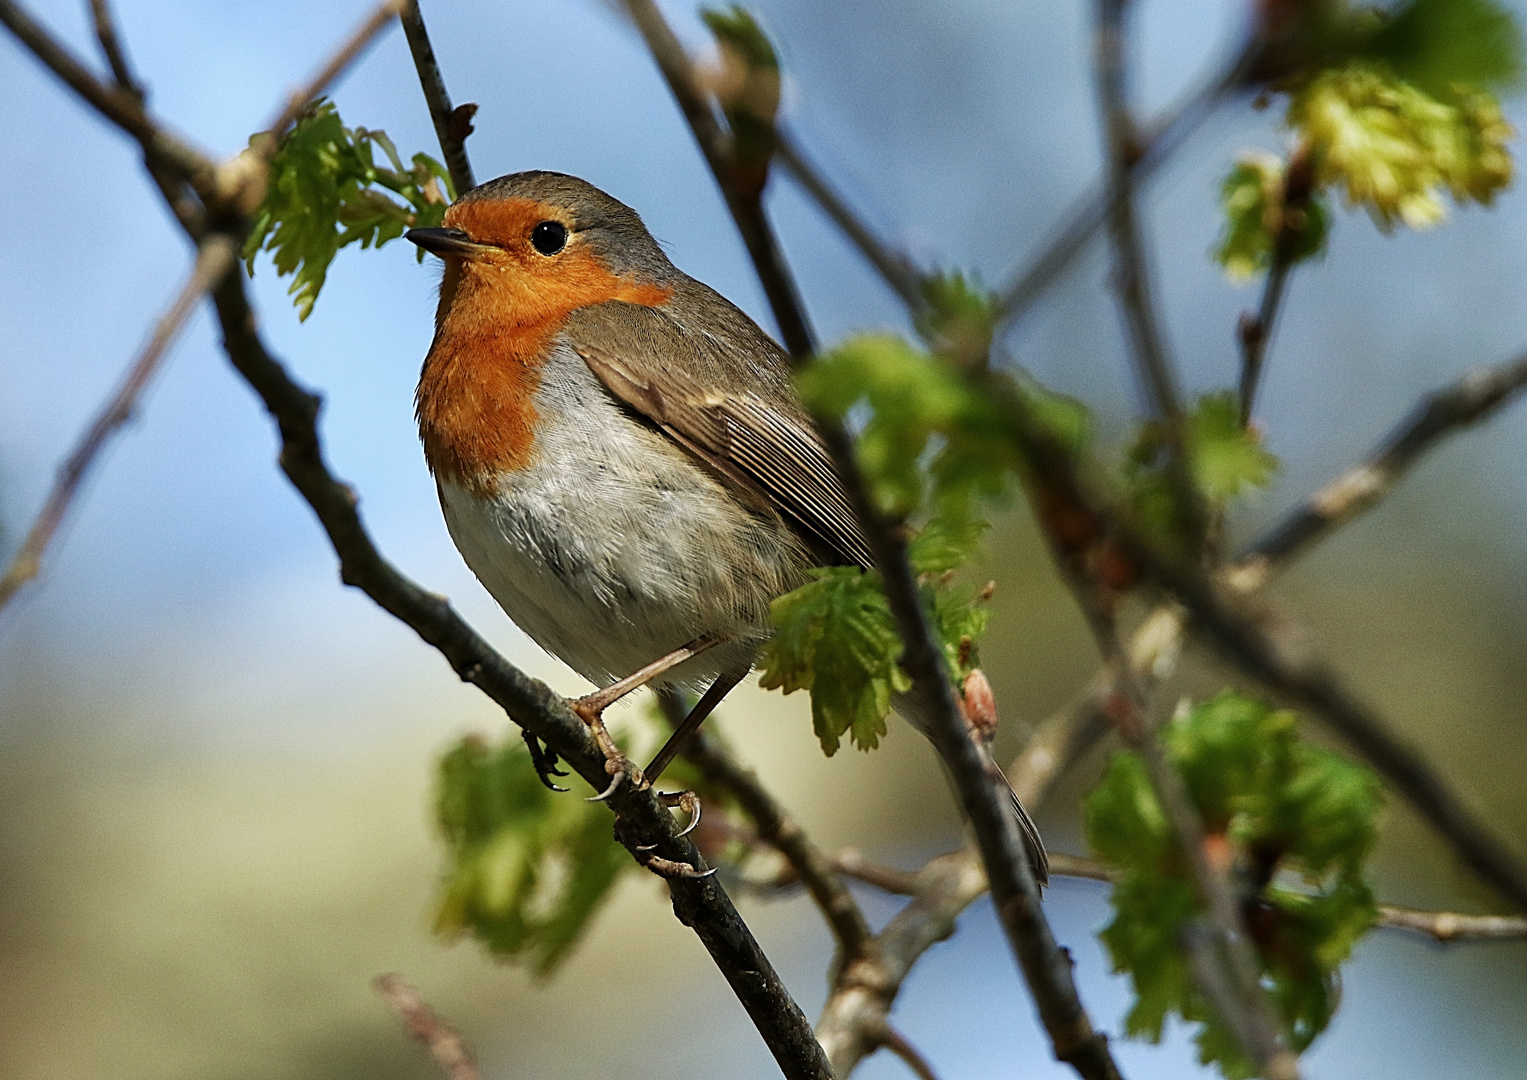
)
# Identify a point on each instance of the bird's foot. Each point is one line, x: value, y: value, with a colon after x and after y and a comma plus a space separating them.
x: 544, y: 758
x: 590, y: 710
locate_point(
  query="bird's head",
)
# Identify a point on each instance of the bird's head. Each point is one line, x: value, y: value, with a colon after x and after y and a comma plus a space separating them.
x: 529, y: 248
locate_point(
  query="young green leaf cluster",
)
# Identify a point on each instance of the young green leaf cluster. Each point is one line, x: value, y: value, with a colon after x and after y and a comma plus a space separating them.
x: 931, y: 447
x: 527, y: 868
x: 326, y: 191
x: 1394, y: 111
x: 1228, y: 460
x: 1270, y: 802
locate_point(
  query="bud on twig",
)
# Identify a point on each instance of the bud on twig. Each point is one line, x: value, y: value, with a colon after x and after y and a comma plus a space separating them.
x: 980, y: 707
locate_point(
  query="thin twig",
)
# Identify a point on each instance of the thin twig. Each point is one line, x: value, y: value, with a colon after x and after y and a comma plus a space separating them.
x: 812, y: 867
x: 851, y: 861
x: 1443, y: 926
x: 1131, y: 273
x: 699, y: 903
x: 215, y: 258
x: 452, y: 126
x: 895, y: 267
x: 1225, y: 963
x: 1015, y: 893
x: 338, y: 61
x: 1450, y: 926
x: 1254, y: 332
x: 1092, y: 210
x: 1475, y: 397
x: 111, y: 48
x: 716, y: 145
x: 444, y: 1043
x: 897, y: 1043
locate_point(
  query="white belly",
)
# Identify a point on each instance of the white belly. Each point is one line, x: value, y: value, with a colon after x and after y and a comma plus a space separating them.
x: 614, y: 547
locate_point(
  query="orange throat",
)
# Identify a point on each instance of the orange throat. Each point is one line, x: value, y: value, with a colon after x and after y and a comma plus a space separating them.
x: 495, y: 328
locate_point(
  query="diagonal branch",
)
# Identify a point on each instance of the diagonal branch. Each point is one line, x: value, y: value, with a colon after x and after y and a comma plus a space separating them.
x: 895, y: 267
x: 1092, y: 210
x: 111, y: 47
x: 1476, y: 397
x: 452, y: 126
x: 699, y: 903
x: 1131, y: 273
x: 443, y: 1042
x: 215, y: 258
x: 1016, y: 894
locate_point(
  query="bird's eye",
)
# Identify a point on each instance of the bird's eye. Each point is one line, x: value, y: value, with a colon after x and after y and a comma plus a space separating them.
x: 549, y: 237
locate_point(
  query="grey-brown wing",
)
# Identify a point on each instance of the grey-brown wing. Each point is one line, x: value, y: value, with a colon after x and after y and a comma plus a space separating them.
x: 721, y: 388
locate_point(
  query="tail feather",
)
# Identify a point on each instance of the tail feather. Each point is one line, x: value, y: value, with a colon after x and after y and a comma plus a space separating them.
x: 1039, y: 859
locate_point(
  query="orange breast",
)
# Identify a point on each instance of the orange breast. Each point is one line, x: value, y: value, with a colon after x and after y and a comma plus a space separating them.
x: 496, y: 324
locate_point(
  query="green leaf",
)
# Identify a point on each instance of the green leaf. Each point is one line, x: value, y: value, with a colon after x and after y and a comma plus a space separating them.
x: 1255, y: 215
x: 835, y: 637
x: 959, y: 318
x: 526, y: 868
x: 748, y: 87
x: 326, y: 192
x: 1395, y: 149
x: 1279, y: 804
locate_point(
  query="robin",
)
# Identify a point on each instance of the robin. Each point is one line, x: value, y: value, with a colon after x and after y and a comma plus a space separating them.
x: 619, y: 451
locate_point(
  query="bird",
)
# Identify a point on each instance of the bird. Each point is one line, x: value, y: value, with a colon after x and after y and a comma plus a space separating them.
x: 619, y: 451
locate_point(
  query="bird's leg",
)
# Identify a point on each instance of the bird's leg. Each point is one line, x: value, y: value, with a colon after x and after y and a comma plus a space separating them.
x: 590, y: 710
x: 545, y: 760
x: 717, y: 690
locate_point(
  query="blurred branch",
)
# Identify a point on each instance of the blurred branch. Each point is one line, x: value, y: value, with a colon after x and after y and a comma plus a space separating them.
x: 699, y: 903
x: 894, y: 266
x: 1475, y: 397
x: 1015, y: 893
x: 716, y: 145
x: 1224, y: 962
x: 452, y: 126
x: 1091, y: 210
x: 775, y: 827
x: 216, y: 256
x: 340, y: 59
x: 443, y: 1042
x: 1254, y: 332
x: 111, y: 47
x: 1444, y: 926
x: 897, y: 1043
x: 1131, y: 271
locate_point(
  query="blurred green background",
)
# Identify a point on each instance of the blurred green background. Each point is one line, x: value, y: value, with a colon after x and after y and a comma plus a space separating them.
x: 215, y: 761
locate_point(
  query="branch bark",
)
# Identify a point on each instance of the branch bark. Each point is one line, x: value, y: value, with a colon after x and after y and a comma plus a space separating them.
x: 1045, y: 965
x: 698, y: 902
x: 452, y: 126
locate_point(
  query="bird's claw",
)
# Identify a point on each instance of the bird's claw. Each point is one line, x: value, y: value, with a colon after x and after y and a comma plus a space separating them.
x: 544, y: 758
x: 689, y: 802
x: 668, y: 868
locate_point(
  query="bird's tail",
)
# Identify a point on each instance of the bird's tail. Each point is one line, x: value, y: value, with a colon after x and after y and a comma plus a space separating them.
x: 1039, y: 859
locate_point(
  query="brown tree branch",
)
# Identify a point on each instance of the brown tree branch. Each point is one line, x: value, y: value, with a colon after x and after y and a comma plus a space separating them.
x: 812, y: 867
x: 340, y: 59
x: 452, y: 126
x: 444, y: 1043
x: 1444, y: 412
x: 111, y: 47
x: 1443, y: 926
x: 698, y: 902
x: 1015, y: 893
x: 1131, y: 272
x: 1254, y: 332
x: 1093, y: 209
x: 215, y: 258
x: 895, y: 267
x: 897, y: 1043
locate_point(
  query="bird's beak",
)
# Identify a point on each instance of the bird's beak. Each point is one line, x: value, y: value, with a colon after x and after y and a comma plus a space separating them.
x: 445, y: 242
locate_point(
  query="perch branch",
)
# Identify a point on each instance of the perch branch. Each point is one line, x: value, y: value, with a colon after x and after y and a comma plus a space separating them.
x: 699, y: 903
